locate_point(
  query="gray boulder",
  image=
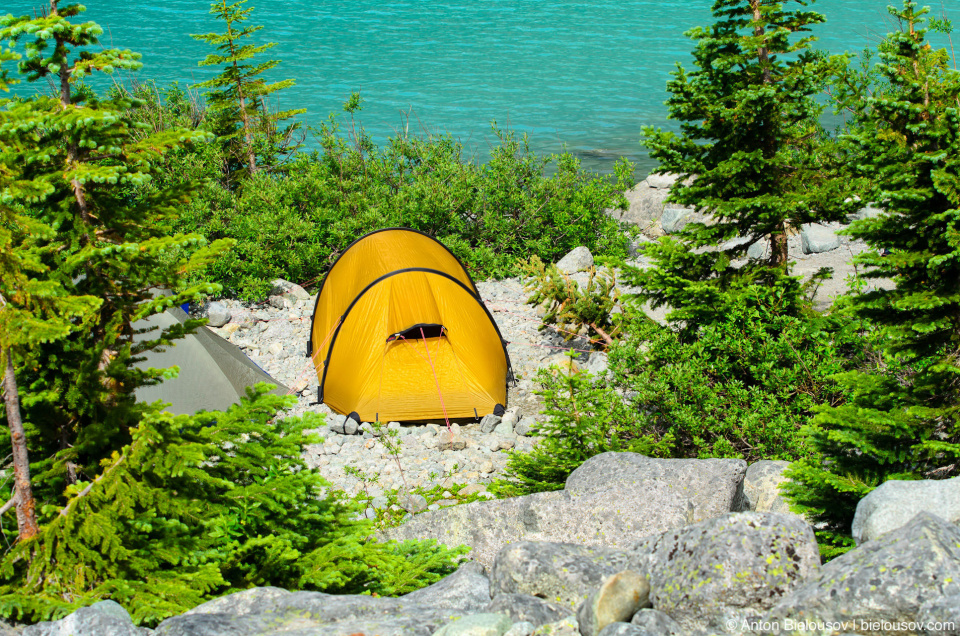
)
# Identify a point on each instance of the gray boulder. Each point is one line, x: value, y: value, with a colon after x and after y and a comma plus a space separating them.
x: 722, y: 571
x: 676, y: 217
x: 759, y: 250
x: 887, y: 579
x: 566, y: 627
x: 597, y: 364
x: 489, y: 423
x: 310, y: 612
x: 646, y: 622
x: 623, y: 629
x: 616, y: 601
x: 613, y: 499
x: 940, y: 616
x: 644, y: 208
x: 526, y: 608
x: 761, y: 487
x: 868, y: 212
x: 710, y: 487
x: 477, y: 625
x: 526, y: 426
x: 106, y: 618
x: 656, y: 623
x: 577, y: 260
x: 661, y: 181
x: 523, y: 628
x: 282, y: 287
x: 816, y: 239
x: 467, y: 589
x: 217, y: 314
x: 562, y: 573
x: 894, y: 503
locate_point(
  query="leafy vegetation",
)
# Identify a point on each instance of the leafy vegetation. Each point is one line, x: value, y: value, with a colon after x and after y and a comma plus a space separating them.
x: 491, y: 216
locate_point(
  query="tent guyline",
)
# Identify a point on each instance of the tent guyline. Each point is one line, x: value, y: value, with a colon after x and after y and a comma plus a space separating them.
x: 385, y: 292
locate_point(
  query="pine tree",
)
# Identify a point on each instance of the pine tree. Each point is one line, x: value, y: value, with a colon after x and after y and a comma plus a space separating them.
x: 903, y: 420
x: 194, y: 507
x: 747, y: 152
x: 32, y: 310
x: 239, y: 92
x: 83, y: 174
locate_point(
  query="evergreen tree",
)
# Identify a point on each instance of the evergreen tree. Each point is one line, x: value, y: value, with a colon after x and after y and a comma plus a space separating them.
x: 239, y: 92
x: 194, y: 507
x: 32, y: 310
x: 903, y: 420
x: 747, y: 152
x: 82, y: 174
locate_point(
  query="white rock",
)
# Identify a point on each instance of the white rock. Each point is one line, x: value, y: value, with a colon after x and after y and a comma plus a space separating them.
x: 894, y: 503
x: 578, y: 260
x: 661, y: 181
x: 816, y: 239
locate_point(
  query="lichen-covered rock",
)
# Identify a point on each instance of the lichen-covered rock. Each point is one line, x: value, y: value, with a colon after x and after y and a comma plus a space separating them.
x: 615, y: 601
x: 561, y: 573
x: 281, y: 287
x: 252, y: 601
x: 644, y: 208
x: 661, y: 180
x: 106, y: 618
x: 526, y: 608
x: 523, y: 628
x: 761, y: 487
x: 894, y: 503
x: 676, y: 217
x: 565, y: 627
x: 466, y: 590
x: 887, y: 579
x: 217, y: 314
x: 656, y: 623
x: 613, y: 499
x: 940, y: 616
x: 622, y: 629
x: 707, y: 575
x: 477, y: 625
x: 312, y: 612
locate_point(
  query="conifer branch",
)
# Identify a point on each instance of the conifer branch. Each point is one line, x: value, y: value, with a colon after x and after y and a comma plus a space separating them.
x: 86, y: 491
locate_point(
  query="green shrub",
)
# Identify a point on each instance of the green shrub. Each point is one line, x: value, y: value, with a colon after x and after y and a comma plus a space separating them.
x: 742, y: 386
x: 295, y: 222
x: 195, y: 507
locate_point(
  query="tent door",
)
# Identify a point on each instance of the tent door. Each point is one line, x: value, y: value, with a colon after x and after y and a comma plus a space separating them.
x: 419, y: 331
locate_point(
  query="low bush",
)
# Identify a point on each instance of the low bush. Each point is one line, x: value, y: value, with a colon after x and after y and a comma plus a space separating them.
x: 293, y: 219
x: 741, y: 386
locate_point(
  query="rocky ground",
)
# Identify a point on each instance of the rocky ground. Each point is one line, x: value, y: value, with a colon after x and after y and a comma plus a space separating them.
x: 274, y: 335
x: 633, y: 546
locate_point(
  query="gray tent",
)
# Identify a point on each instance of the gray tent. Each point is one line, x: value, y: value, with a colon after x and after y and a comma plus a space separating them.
x: 214, y: 373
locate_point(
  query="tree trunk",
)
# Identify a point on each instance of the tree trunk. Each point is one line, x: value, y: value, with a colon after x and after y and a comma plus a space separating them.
x: 73, y: 152
x: 778, y: 249
x: 251, y: 158
x: 762, y: 53
x: 26, y: 506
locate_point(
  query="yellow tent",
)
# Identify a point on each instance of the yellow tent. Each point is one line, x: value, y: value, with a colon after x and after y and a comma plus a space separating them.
x: 400, y: 333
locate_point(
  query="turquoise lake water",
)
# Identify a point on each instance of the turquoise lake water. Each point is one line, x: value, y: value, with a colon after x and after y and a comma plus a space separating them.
x: 582, y: 74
